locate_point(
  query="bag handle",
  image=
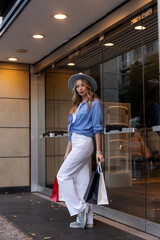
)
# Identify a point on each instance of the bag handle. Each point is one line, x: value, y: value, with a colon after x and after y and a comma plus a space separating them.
x: 99, y: 168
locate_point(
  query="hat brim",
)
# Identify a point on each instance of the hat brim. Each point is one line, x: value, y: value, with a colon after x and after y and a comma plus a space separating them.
x: 75, y: 77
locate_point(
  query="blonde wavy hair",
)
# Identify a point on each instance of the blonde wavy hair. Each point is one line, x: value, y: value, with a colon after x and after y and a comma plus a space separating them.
x: 77, y: 99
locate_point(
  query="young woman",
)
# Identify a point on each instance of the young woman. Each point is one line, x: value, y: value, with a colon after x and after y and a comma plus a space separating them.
x: 85, y: 123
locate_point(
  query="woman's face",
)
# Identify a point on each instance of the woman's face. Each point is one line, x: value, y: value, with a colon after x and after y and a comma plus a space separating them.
x: 80, y: 88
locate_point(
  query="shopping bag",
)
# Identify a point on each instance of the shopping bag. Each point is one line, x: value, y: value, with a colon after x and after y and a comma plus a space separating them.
x: 60, y: 196
x: 56, y: 194
x: 91, y: 194
x: 102, y: 193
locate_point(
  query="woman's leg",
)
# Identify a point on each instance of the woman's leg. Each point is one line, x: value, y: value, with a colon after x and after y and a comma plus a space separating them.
x: 81, y: 184
x: 77, y: 160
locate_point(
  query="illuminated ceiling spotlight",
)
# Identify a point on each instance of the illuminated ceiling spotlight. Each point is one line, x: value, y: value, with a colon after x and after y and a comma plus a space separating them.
x: 140, y: 27
x: 71, y: 64
x: 60, y: 16
x: 109, y: 44
x: 38, y: 36
x: 13, y: 59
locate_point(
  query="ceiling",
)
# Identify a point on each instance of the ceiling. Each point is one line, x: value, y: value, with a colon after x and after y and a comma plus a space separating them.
x: 36, y: 18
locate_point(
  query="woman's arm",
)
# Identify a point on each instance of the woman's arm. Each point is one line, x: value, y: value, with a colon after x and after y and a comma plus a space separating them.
x: 99, y: 156
x: 68, y: 149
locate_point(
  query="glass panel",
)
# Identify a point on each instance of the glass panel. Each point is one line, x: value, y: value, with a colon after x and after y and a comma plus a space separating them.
x: 151, y: 119
x: 121, y: 171
x: 130, y: 91
x: 57, y: 105
x: 122, y: 76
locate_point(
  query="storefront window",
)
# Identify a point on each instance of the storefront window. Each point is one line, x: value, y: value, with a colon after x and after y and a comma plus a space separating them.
x: 130, y: 90
x: 127, y: 76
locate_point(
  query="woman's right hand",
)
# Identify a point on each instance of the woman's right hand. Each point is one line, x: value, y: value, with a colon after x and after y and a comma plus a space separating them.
x: 68, y: 149
x: 99, y: 158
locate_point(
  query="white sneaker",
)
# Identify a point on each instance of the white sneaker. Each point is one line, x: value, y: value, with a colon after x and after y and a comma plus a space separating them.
x: 78, y: 225
x: 84, y: 214
x: 75, y: 225
x: 89, y: 225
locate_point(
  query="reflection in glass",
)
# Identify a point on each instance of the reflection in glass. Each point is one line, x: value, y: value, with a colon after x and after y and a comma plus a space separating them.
x: 128, y: 155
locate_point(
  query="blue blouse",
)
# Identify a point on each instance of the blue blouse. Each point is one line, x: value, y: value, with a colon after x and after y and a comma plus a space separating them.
x: 88, y: 121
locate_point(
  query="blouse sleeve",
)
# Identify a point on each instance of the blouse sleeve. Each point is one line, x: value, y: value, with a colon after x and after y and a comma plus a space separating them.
x: 97, y: 118
x: 70, y: 119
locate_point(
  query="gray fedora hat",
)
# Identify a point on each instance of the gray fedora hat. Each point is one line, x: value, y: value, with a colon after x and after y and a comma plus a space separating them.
x: 75, y: 77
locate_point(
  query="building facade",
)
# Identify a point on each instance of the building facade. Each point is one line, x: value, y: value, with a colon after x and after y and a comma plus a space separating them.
x: 121, y: 51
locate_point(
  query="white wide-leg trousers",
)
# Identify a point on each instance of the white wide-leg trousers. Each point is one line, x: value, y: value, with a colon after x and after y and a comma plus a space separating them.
x: 73, y: 176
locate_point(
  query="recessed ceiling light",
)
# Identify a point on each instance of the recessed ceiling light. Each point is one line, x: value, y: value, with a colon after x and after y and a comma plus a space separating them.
x: 140, y: 27
x: 21, y: 50
x: 60, y: 16
x: 12, y: 59
x: 71, y: 64
x: 38, y: 36
x: 109, y: 44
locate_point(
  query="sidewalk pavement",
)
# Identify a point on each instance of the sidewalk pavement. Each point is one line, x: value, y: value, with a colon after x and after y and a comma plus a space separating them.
x: 28, y: 216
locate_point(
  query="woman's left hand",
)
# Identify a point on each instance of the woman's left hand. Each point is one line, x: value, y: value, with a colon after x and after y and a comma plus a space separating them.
x: 99, y: 158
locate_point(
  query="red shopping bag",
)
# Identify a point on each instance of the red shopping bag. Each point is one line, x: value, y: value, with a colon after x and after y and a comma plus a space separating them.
x: 55, y: 191
x: 56, y: 194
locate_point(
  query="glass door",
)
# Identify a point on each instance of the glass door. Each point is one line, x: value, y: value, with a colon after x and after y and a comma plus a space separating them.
x: 122, y: 91
x: 151, y: 121
x: 130, y: 91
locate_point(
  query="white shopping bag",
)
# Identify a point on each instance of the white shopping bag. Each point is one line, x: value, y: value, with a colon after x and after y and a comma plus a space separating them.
x: 102, y: 193
x: 60, y: 197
